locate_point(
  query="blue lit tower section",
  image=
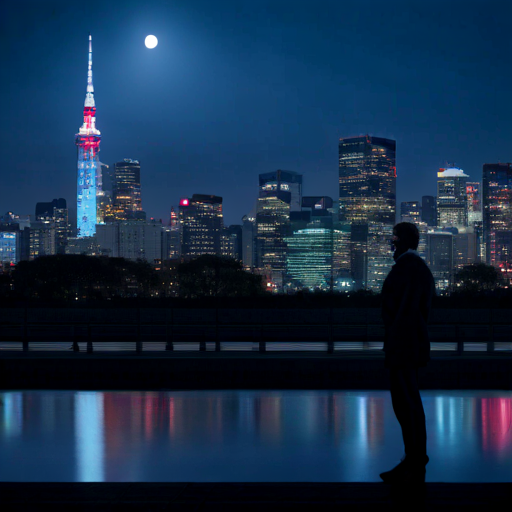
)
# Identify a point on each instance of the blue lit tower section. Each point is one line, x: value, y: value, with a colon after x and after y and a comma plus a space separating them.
x: 89, y: 178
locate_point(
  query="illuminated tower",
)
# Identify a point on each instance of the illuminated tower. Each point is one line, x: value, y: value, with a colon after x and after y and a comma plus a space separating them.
x: 89, y: 170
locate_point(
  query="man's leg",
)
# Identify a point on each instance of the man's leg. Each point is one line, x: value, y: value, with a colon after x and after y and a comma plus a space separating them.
x: 408, y: 407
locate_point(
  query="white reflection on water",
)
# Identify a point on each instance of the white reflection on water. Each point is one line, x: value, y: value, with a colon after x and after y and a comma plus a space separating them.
x: 11, y: 414
x: 89, y: 436
x: 246, y: 436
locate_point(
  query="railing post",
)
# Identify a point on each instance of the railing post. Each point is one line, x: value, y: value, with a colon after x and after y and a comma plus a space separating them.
x: 490, y: 341
x: 25, y: 331
x: 76, y: 347
x: 460, y: 343
x: 217, y: 335
x: 138, y: 343
x: 262, y: 344
x: 330, y: 343
x: 168, y: 343
x: 89, y: 338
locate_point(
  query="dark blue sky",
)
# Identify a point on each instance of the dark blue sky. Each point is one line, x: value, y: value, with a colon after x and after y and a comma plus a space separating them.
x: 237, y: 88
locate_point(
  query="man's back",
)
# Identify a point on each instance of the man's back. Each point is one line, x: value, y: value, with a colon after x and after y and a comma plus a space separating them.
x: 406, y: 299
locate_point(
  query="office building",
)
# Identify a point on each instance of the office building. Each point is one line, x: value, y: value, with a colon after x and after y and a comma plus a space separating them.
x: 367, y: 201
x: 232, y: 242
x: 310, y: 258
x: 131, y: 239
x: 473, y: 192
x: 126, y: 199
x: 410, y: 211
x: 201, y: 224
x: 452, y: 199
x: 440, y: 259
x: 497, y: 216
x: 55, y: 213
x: 379, y: 255
x: 283, y: 181
x: 248, y: 242
x: 272, y: 227
x: 429, y: 210
x: 87, y: 141
x: 171, y: 238
x: 465, y: 248
x: 367, y: 180
x: 9, y: 247
x: 42, y: 239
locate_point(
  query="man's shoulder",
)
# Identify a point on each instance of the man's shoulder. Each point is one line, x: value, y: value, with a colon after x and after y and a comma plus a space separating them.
x: 411, y: 261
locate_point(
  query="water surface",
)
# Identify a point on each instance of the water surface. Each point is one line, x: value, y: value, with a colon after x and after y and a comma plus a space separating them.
x: 215, y: 436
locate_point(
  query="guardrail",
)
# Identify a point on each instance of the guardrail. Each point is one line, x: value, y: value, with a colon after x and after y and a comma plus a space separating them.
x: 137, y: 336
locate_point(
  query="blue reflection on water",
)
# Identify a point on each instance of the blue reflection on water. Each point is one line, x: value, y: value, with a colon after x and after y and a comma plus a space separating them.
x: 246, y: 436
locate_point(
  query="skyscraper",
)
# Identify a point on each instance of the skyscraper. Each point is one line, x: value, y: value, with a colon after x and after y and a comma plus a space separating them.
x: 272, y: 226
x: 367, y: 191
x: 428, y: 210
x: 497, y: 215
x: 452, y: 199
x: 284, y: 181
x: 473, y: 192
x: 55, y: 213
x: 367, y: 180
x: 440, y: 258
x: 201, y: 222
x: 126, y: 192
x: 87, y: 141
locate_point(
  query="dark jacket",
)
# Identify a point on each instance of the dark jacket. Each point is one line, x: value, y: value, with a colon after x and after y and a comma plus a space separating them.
x: 406, y: 298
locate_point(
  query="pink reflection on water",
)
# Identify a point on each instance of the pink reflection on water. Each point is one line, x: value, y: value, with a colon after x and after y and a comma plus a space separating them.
x: 496, y: 424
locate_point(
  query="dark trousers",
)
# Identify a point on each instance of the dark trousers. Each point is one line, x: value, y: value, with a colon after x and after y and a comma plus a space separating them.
x: 406, y: 399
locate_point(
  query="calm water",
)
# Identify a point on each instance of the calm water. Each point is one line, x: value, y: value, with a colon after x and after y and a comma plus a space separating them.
x: 246, y: 436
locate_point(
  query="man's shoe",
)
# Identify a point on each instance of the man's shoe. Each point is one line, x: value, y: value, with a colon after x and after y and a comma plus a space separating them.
x: 406, y: 471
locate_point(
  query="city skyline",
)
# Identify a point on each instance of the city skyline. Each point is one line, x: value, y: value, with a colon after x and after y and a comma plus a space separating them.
x: 172, y: 109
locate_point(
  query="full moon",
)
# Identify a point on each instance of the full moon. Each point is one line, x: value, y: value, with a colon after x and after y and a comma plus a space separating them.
x: 151, y: 41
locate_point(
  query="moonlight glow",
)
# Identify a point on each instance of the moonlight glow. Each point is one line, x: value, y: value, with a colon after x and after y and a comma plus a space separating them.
x: 151, y: 41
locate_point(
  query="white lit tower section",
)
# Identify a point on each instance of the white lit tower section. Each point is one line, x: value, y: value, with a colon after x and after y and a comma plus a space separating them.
x: 87, y: 141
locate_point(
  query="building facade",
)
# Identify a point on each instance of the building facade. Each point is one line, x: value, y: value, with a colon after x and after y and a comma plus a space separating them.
x: 87, y: 141
x: 452, y: 199
x: 201, y: 224
x: 410, y: 211
x: 132, y: 240
x: 497, y: 216
x: 440, y: 259
x: 126, y: 194
x: 473, y: 193
x: 367, y: 201
x: 272, y: 227
x: 367, y: 180
x: 56, y: 214
x: 282, y: 181
x: 429, y: 210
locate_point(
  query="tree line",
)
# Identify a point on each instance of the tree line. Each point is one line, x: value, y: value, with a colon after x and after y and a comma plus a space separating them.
x: 80, y: 277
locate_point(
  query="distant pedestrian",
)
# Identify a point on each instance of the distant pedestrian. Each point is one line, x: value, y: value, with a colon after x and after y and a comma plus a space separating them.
x: 406, y: 298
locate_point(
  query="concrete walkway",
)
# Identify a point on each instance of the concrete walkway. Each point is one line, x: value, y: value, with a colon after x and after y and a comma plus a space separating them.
x: 242, y: 497
x: 239, y: 370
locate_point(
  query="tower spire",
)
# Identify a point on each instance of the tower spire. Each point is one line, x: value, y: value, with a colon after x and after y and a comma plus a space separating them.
x: 89, y: 97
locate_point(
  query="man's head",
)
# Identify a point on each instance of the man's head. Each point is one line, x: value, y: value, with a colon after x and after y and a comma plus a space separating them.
x: 405, y: 236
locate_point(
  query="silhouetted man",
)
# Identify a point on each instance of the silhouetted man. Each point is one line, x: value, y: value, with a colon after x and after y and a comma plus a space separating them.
x: 406, y: 297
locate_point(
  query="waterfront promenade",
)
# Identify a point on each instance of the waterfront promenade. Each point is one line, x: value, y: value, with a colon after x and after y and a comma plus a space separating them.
x: 241, y: 370
x: 303, y: 496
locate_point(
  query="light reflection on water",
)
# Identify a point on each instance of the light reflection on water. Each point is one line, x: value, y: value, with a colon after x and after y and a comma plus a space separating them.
x: 246, y: 436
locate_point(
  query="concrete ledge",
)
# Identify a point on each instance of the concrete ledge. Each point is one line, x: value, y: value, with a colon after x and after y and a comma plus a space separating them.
x: 240, y: 371
x: 438, y: 497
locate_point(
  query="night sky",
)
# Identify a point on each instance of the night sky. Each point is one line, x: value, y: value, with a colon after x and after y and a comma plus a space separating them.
x: 236, y: 88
